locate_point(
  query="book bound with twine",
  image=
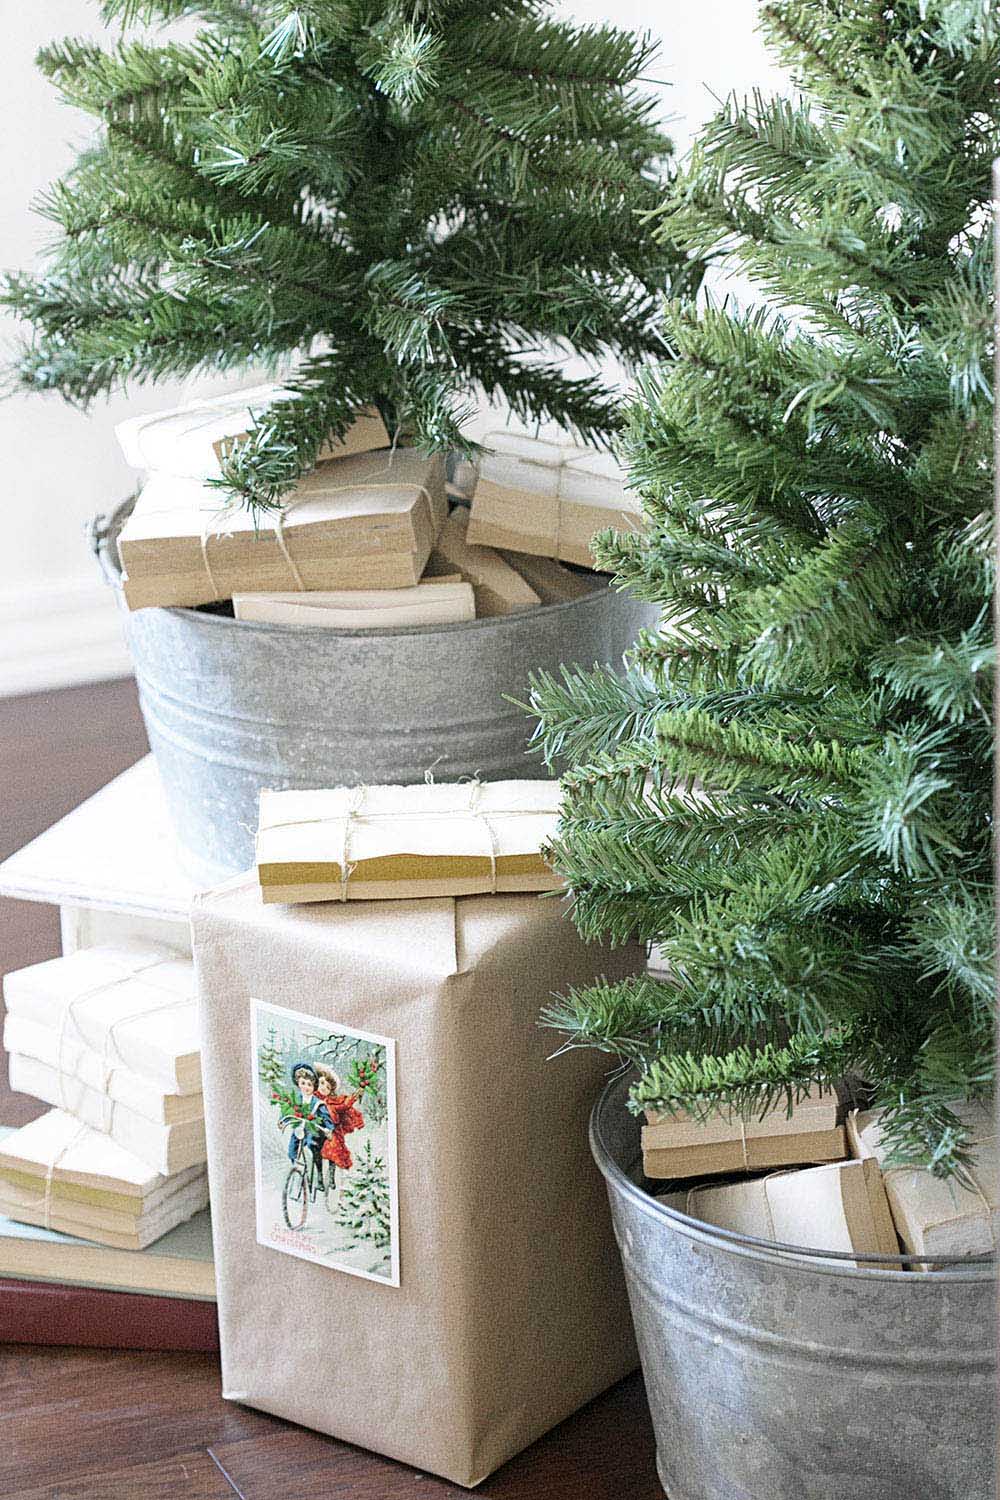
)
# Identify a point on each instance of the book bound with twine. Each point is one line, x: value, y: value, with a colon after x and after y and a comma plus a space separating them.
x: 392, y: 842
x: 193, y: 440
x: 365, y: 521
x: 681, y: 1146
x: 936, y: 1216
x: 548, y: 499
x: 839, y: 1207
x: 110, y: 1036
x: 133, y: 1005
x: 60, y: 1174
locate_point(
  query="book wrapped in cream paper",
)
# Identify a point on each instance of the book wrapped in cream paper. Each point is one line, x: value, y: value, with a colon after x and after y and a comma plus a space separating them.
x: 60, y: 1174
x: 936, y: 1217
x: 192, y: 440
x: 840, y: 1207
x: 679, y: 1146
x: 386, y: 843
x: 482, y: 1300
x: 163, y: 1148
x: 134, y: 1005
x: 547, y: 499
x: 368, y: 521
x: 77, y: 1064
x: 437, y: 603
x: 498, y: 588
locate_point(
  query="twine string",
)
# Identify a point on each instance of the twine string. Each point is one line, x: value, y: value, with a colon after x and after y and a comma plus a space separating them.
x: 482, y: 819
x: 110, y: 1040
x: 50, y: 1172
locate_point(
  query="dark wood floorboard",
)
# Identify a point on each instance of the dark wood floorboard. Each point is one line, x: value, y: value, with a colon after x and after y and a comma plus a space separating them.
x: 85, y: 1424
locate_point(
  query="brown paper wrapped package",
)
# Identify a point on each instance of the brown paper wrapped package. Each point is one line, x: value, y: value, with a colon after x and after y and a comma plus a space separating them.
x: 679, y: 1146
x: 935, y: 1217
x: 367, y: 521
x: 511, y: 1311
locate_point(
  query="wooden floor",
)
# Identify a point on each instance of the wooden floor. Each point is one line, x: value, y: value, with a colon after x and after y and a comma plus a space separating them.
x: 93, y: 1425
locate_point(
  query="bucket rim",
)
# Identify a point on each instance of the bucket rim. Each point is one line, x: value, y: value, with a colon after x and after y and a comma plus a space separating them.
x: 966, y: 1268
x: 103, y: 529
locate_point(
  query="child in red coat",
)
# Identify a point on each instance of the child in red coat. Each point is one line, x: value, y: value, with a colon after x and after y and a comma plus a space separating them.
x: 344, y: 1116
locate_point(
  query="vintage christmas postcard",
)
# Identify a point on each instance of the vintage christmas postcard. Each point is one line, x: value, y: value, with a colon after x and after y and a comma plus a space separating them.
x: 325, y: 1142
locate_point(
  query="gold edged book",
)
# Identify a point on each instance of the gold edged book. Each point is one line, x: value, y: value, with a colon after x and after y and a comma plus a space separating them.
x: 934, y: 1216
x: 64, y: 1176
x: 166, y: 1149
x: 131, y: 1003
x: 499, y: 589
x: 388, y: 843
x: 77, y: 1064
x: 439, y: 602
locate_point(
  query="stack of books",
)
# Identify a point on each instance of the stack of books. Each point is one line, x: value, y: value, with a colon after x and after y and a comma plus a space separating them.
x: 63, y: 1288
x: 366, y: 540
x: 110, y: 1035
x: 105, y: 1236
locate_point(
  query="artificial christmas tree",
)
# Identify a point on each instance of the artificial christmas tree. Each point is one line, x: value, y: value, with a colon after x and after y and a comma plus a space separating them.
x: 412, y: 205
x: 790, y: 792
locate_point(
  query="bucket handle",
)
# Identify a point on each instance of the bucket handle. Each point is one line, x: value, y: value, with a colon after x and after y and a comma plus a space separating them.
x: 101, y: 532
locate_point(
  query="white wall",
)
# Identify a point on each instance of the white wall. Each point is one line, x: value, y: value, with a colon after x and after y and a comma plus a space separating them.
x: 58, y: 623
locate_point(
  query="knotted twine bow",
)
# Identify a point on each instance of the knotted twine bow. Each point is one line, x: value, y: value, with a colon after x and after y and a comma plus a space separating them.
x: 210, y: 531
x: 109, y: 1066
x: 355, y: 813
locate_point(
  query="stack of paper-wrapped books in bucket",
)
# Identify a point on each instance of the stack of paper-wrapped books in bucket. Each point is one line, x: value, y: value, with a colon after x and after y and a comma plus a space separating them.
x: 819, y: 1177
x: 109, y: 1038
x: 367, y: 539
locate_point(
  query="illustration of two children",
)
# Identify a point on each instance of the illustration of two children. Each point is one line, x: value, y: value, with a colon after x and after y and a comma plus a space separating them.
x: 331, y: 1114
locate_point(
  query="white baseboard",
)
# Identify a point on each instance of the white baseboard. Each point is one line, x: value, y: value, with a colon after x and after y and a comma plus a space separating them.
x: 60, y: 633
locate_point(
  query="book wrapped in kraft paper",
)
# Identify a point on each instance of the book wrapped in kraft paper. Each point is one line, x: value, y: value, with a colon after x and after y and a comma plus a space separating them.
x: 62, y: 1175
x: 841, y: 1207
x: 389, y: 842
x: 547, y: 499
x: 499, y: 589
x: 133, y: 1004
x: 193, y: 440
x: 507, y: 1310
x: 368, y: 521
x: 938, y: 1217
x: 679, y: 1146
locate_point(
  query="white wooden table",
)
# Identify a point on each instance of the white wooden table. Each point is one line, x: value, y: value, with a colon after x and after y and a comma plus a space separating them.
x: 111, y: 866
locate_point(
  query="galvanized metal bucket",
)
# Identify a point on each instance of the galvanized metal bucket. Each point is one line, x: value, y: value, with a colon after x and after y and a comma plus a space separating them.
x: 231, y: 707
x: 775, y: 1375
